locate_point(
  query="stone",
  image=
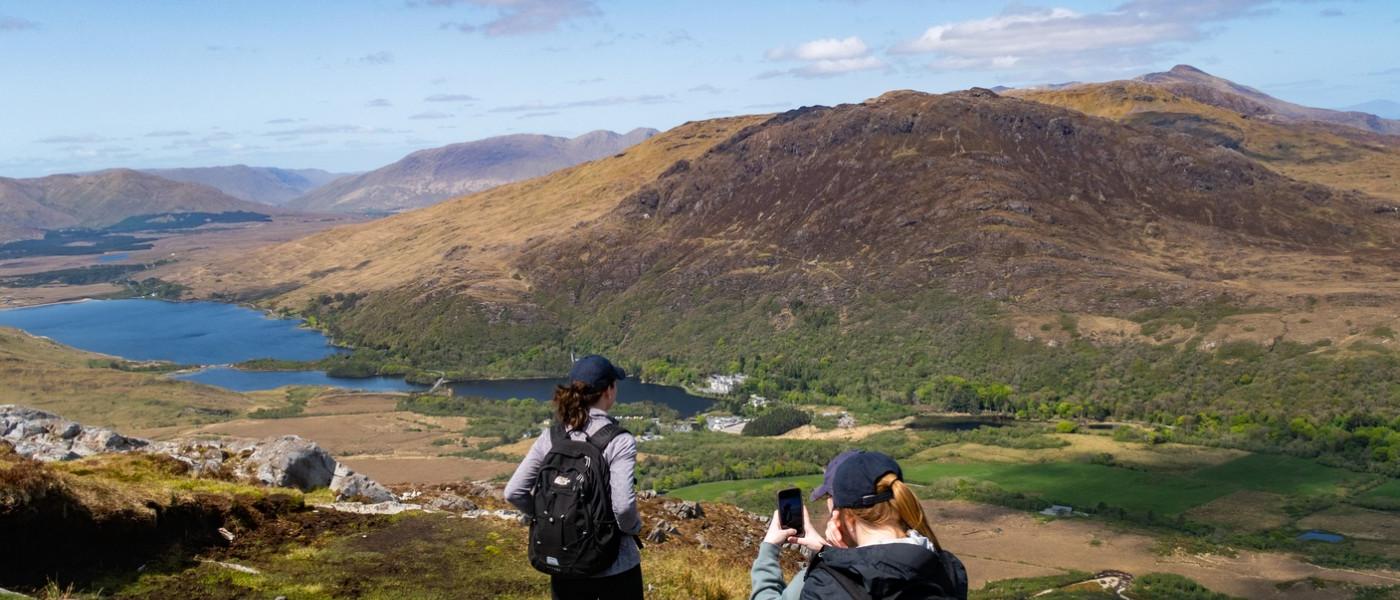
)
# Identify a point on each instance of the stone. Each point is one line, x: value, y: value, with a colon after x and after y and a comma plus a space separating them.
x: 685, y: 510
x: 452, y: 503
x: 661, y: 532
x: 290, y: 461
x: 349, y: 485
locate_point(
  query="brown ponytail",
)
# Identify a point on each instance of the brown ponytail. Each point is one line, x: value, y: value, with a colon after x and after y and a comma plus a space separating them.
x: 902, y: 511
x: 571, y: 404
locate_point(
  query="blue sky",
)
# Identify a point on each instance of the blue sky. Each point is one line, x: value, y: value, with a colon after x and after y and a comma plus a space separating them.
x: 352, y: 85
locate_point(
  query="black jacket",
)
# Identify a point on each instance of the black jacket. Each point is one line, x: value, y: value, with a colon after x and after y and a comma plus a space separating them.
x: 886, y: 572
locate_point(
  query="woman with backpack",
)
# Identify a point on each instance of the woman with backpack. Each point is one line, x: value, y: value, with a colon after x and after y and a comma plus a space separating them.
x: 575, y: 486
x: 878, y: 542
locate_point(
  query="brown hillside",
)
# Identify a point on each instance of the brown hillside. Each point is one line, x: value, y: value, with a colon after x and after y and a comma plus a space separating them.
x: 988, y: 195
x: 103, y: 198
x: 465, y: 244
x: 1333, y: 155
x: 1191, y: 82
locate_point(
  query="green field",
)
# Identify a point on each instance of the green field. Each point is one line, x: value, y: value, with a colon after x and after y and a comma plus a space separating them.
x: 1086, y: 485
x: 1284, y: 475
x: 1082, y: 485
x: 751, y: 494
x: 1387, y: 490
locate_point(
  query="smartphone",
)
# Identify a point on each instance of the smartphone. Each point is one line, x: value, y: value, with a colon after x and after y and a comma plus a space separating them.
x: 790, y: 510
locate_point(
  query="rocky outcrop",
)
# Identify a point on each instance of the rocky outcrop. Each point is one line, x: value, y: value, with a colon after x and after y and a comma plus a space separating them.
x: 48, y: 437
x: 287, y: 461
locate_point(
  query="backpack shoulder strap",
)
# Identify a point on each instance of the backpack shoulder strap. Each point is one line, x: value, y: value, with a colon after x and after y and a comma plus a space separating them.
x: 852, y: 588
x: 557, y: 435
x: 601, y: 438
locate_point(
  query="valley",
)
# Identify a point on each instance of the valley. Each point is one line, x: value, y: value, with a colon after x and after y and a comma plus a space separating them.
x: 1144, y: 326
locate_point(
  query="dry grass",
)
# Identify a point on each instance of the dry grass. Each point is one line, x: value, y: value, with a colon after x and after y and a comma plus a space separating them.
x: 1356, y: 522
x: 42, y: 374
x: 1245, y: 510
x: 466, y: 241
x: 1160, y: 457
x: 1333, y: 156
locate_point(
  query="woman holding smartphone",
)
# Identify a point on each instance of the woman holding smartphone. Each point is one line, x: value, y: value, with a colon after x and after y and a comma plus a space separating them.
x: 878, y: 542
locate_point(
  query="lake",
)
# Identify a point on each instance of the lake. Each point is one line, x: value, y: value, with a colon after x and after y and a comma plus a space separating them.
x: 191, y: 333
x: 216, y: 335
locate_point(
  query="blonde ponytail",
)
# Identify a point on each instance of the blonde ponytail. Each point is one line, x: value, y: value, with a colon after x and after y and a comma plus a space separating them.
x: 902, y: 511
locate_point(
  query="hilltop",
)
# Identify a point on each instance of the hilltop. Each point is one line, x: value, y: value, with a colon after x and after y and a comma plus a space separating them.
x: 30, y: 206
x: 1310, y: 144
x: 428, y: 176
x: 1194, y: 83
x: 266, y: 185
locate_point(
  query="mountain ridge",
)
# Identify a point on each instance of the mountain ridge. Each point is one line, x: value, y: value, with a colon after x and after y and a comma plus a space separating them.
x: 30, y: 206
x: 265, y: 185
x: 434, y: 174
x: 1197, y: 84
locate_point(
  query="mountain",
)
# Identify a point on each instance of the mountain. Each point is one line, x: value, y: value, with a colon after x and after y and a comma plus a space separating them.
x: 429, y: 176
x: 856, y: 251
x: 29, y: 206
x: 1388, y: 109
x: 1203, y: 87
x: 266, y: 185
x: 1318, y: 151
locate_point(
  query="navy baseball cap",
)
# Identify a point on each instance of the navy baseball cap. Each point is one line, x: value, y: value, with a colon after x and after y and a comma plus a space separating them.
x: 596, y: 372
x: 852, y: 482
x: 830, y: 474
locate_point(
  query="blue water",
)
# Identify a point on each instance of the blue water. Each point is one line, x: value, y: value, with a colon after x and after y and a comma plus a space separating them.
x: 106, y: 258
x: 212, y: 333
x: 203, y: 333
x: 248, y: 381
x: 1320, y: 536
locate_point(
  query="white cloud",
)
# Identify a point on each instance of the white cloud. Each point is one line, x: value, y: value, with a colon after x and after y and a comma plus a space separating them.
x: 518, y: 17
x: 823, y: 49
x: 382, y: 57
x: 1130, y: 35
x: 825, y: 57
x: 16, y: 24
x: 450, y: 98
x: 432, y: 114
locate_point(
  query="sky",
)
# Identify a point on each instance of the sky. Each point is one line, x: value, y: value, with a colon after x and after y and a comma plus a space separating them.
x: 352, y: 85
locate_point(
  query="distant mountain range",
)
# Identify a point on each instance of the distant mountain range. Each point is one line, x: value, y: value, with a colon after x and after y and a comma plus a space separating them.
x: 1389, y: 109
x: 267, y: 185
x: 429, y: 176
x: 28, y: 207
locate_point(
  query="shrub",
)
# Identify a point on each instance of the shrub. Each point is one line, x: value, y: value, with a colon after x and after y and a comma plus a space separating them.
x: 777, y: 421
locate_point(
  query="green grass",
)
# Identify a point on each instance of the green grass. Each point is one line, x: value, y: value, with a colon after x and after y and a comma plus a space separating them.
x: 1082, y: 485
x: 1284, y: 475
x: 755, y: 495
x: 1085, y: 485
x: 1387, y: 490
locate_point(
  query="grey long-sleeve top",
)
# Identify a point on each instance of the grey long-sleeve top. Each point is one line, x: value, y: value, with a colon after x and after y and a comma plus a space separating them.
x: 621, y: 456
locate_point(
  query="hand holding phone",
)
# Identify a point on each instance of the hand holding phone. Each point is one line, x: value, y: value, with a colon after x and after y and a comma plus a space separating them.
x: 790, y: 510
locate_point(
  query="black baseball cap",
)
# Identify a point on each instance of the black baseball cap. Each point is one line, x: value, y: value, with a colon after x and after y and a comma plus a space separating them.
x: 851, y: 479
x: 596, y: 372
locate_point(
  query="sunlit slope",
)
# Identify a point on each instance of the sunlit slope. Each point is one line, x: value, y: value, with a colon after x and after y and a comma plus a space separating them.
x: 99, y: 390
x: 1330, y: 154
x: 464, y: 244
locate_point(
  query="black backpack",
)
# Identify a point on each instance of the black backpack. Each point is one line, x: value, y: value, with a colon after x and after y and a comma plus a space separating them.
x: 574, y: 532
